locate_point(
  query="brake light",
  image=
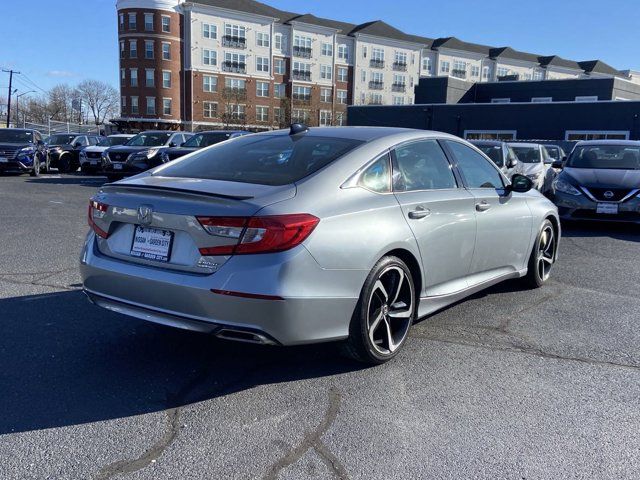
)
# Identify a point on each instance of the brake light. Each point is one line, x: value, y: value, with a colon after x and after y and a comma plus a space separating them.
x: 97, y: 210
x: 266, y: 234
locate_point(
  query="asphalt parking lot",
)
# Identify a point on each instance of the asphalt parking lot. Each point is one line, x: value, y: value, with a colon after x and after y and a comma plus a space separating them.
x: 509, y: 384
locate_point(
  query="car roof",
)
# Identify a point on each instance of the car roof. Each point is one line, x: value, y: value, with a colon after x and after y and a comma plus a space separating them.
x: 487, y: 142
x: 365, y: 134
x: 522, y: 144
x: 628, y: 143
x: 223, y: 131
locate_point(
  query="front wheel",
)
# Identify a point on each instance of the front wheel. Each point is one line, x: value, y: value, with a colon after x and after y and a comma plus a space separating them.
x: 384, y: 314
x: 542, y: 256
x: 35, y: 172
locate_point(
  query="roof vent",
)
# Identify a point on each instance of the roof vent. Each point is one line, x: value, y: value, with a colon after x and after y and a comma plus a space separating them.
x: 297, y: 128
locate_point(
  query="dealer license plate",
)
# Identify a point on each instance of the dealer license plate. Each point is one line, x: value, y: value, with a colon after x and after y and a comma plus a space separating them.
x: 607, y: 208
x: 152, y: 244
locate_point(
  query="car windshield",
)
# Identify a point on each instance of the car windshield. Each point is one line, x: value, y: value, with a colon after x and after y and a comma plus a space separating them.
x: 619, y: 157
x: 15, y: 136
x: 149, y: 139
x: 527, y: 154
x: 494, y: 152
x: 60, y: 139
x: 264, y: 159
x: 202, y: 140
x: 113, y: 141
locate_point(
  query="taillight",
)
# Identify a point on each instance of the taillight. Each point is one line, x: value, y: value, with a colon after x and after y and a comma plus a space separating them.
x: 267, y: 234
x: 97, y: 210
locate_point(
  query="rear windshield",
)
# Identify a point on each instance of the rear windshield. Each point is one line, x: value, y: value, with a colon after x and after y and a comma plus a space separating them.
x: 264, y: 159
x: 527, y: 154
x: 622, y: 157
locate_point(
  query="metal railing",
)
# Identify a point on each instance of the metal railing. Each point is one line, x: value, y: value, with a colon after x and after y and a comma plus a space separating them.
x: 398, y: 87
x: 301, y: 75
x: 234, y: 67
x: 400, y: 66
x: 234, y: 42
x: 303, y: 52
x: 376, y: 85
x: 376, y: 63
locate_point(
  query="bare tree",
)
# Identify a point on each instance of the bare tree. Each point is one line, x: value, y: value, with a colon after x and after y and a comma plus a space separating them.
x: 101, y: 99
x: 232, y: 99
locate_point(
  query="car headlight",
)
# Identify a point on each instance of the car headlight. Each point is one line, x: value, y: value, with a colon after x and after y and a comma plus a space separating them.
x: 104, y: 156
x: 26, y: 151
x: 83, y: 154
x: 152, y: 152
x: 565, y: 187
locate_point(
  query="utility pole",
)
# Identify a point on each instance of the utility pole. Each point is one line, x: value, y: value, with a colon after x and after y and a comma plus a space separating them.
x: 10, y: 72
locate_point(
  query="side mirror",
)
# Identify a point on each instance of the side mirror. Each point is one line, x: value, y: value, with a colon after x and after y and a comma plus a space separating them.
x: 77, y: 145
x: 173, y: 144
x: 558, y: 164
x: 40, y: 143
x: 512, y: 162
x: 564, y: 159
x: 520, y: 184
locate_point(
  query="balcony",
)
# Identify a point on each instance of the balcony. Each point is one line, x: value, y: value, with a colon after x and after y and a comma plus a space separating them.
x: 459, y: 73
x: 376, y: 63
x: 400, y: 66
x: 398, y: 87
x: 235, y: 93
x: 303, y: 75
x: 509, y: 78
x: 234, y: 67
x: 302, y: 99
x: 302, y: 52
x: 376, y: 85
x: 234, y: 42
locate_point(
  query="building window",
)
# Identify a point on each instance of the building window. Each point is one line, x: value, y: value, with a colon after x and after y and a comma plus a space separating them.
x: 262, y: 39
x: 133, y: 22
x: 302, y: 71
x: 400, y: 61
x: 398, y: 100
x: 445, y: 67
x: 209, y: 83
x: 166, y: 51
x: 166, y: 24
x: 149, y: 77
x: 209, y: 109
x: 364, y: 51
x: 342, y: 97
x: 343, y: 74
x: 325, y: 95
x: 302, y: 93
x: 279, y: 90
x: 326, y: 72
x: 377, y: 58
x: 151, y: 105
x: 123, y: 104
x: 262, y: 64
x: 587, y: 98
x: 575, y: 135
x: 278, y: 42
x: 262, y: 89
x: 302, y: 41
x: 122, y: 76
x: 133, y: 49
x: 148, y: 49
x: 300, y: 116
x: 459, y: 69
x: 343, y: 52
x: 502, y: 72
x: 166, y: 106
x: 121, y: 20
x: 377, y: 80
x: 325, y: 118
x: 339, y: 119
x: 500, y: 100
x: 148, y: 22
x: 278, y: 66
x: 363, y: 76
x: 538, y: 75
x: 234, y: 62
x: 166, y: 79
x: 235, y: 83
x: 541, y: 99
x: 427, y: 65
x: 490, y: 135
x: 133, y: 77
x: 486, y: 73
x: 209, y: 30
x: 235, y: 111
x: 234, y: 36
x: 209, y: 57
x: 475, y: 71
x: 121, y: 49
x: 375, y: 99
x: 327, y: 49
x: 262, y: 114
x: 134, y: 105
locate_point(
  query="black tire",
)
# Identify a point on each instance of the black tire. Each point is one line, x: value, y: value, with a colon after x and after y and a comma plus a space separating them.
x: 64, y: 165
x: 379, y: 328
x: 47, y: 165
x: 35, y: 171
x: 543, y: 256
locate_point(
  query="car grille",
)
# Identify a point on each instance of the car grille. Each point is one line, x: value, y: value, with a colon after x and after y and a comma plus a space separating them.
x: 608, y: 194
x: 93, y: 154
x: 118, y: 157
x: 8, y: 152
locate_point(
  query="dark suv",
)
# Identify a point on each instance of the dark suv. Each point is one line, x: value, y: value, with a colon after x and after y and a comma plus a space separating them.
x: 21, y: 150
x: 63, y: 150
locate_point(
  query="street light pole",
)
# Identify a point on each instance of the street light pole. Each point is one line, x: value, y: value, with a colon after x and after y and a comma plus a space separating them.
x: 18, y: 105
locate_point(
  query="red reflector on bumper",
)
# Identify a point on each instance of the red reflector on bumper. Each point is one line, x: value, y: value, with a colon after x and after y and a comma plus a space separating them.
x: 246, y: 295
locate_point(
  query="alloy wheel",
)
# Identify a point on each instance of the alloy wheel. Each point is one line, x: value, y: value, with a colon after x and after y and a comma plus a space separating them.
x: 546, y: 252
x: 390, y: 310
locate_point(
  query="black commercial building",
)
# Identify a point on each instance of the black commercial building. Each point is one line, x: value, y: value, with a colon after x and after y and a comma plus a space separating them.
x: 559, y: 110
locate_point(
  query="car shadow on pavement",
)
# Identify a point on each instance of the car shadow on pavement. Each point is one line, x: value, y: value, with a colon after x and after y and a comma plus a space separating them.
x: 66, y: 362
x: 69, y: 179
x: 619, y: 231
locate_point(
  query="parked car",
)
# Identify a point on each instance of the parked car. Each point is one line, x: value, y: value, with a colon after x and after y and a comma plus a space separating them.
x: 556, y: 153
x: 354, y: 235
x: 21, y: 150
x: 63, y: 150
x: 91, y: 157
x: 501, y: 154
x: 535, y: 163
x: 140, y: 153
x: 600, y: 181
x: 202, y: 140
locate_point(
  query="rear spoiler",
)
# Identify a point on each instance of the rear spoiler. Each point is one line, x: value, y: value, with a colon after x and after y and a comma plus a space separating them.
x: 119, y: 187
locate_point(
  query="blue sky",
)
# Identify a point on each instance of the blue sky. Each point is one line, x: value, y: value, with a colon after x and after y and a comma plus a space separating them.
x: 78, y: 39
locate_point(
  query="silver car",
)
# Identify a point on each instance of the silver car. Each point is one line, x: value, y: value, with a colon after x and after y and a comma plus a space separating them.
x: 312, y: 235
x: 535, y: 164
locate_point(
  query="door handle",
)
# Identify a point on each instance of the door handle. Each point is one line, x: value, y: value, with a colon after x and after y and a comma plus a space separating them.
x: 483, y: 206
x: 419, y: 212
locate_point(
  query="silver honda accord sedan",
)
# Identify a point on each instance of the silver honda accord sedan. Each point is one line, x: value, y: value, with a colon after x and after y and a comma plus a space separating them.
x: 315, y: 234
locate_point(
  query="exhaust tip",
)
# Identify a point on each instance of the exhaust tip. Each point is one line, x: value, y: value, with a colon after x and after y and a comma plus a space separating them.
x: 244, y: 336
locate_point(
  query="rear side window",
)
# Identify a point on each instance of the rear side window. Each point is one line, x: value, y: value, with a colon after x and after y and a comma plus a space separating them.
x: 377, y: 177
x: 476, y: 170
x: 422, y: 165
x: 262, y: 159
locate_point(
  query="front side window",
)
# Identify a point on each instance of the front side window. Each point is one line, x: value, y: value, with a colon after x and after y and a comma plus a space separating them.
x: 477, y: 170
x: 422, y: 165
x: 262, y: 159
x: 377, y: 177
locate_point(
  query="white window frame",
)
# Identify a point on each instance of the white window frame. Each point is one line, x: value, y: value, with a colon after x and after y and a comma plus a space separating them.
x: 343, y: 74
x: 168, y: 51
x: 259, y: 109
x: 567, y: 133
x: 168, y: 23
x: 148, y: 104
x: 146, y: 50
x: 512, y: 133
x: 235, y: 30
x: 209, y: 30
x: 445, y: 66
x: 279, y: 66
x: 342, y: 95
x: 209, y: 57
x: 132, y: 25
x: 326, y: 121
x: 326, y: 72
x: 153, y: 77
x: 207, y: 106
x: 343, y: 52
x: 207, y: 83
x: 326, y: 50
x: 260, y: 91
x: 134, y: 105
x: 276, y: 90
x: 326, y: 98
x: 262, y: 64
x: 164, y: 100
x: 133, y: 76
x: 541, y: 99
x: 278, y: 41
x: 263, y: 39
x: 133, y: 43
x: 146, y: 17
x: 164, y: 72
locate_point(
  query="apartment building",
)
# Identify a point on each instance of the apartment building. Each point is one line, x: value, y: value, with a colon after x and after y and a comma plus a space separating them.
x: 208, y: 64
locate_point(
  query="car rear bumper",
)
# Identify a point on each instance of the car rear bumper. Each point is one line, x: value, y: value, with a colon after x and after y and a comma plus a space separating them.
x: 296, y: 301
x: 579, y: 207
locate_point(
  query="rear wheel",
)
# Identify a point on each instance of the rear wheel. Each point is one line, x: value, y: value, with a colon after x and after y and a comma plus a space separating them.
x: 542, y: 256
x: 384, y: 314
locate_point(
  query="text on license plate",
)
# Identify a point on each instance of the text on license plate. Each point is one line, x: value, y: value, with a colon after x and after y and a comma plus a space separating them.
x: 117, y: 166
x: 607, y: 208
x: 152, y: 243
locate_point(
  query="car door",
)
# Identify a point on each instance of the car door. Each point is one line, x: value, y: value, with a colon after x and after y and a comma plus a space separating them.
x: 504, y: 221
x: 439, y: 212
